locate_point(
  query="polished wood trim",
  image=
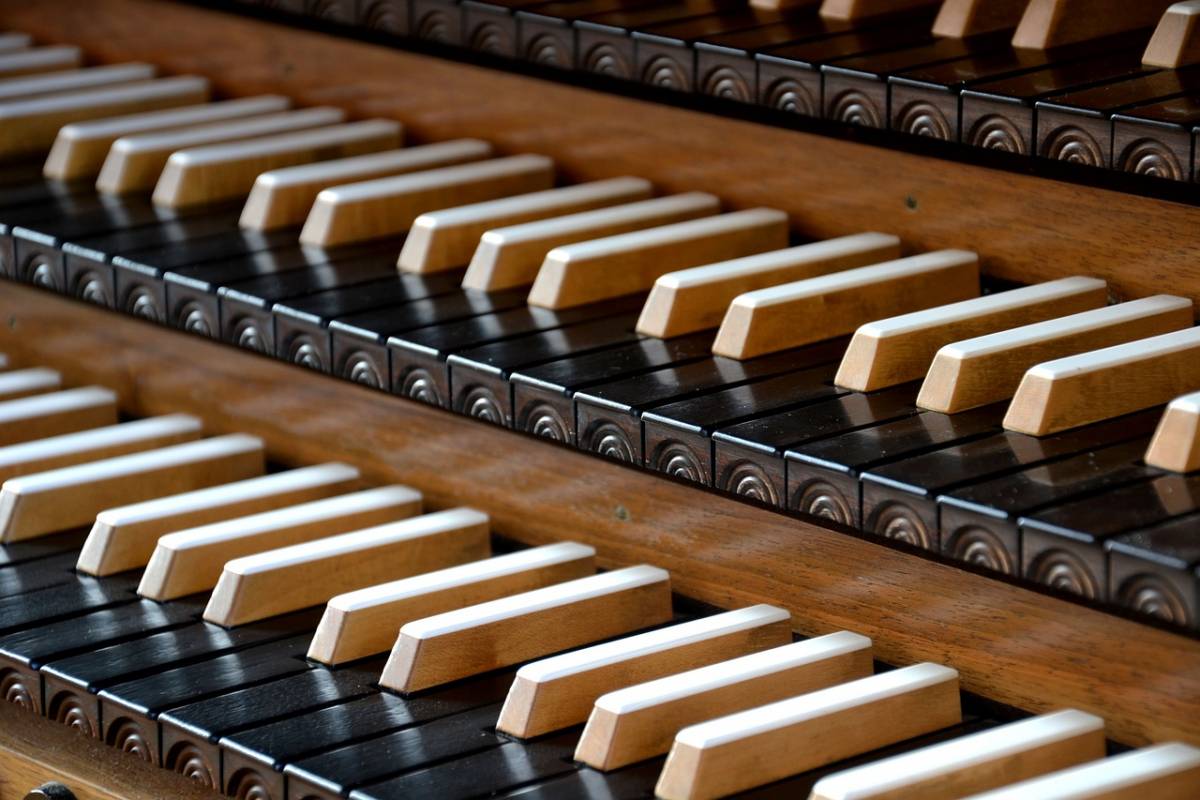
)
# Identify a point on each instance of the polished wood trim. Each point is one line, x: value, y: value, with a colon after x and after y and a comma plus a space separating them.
x: 1009, y: 643
x: 930, y: 203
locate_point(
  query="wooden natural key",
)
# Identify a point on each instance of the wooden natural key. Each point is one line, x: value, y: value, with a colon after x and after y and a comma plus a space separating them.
x: 39, y: 59
x: 640, y: 722
x: 365, y: 622
x: 1176, y: 442
x: 1176, y: 40
x: 303, y: 575
x: 558, y: 692
x: 25, y: 382
x: 52, y: 413
x: 969, y: 764
x: 74, y: 80
x: 80, y: 148
x: 124, y: 537
x: 771, y: 742
x: 457, y: 644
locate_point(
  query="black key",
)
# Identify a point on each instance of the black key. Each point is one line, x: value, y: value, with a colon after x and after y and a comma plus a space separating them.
x: 78, y: 596
x: 125, y: 617
x: 1156, y: 140
x: 544, y: 32
x: 302, y: 324
x: 609, y: 416
x: 635, y: 782
x: 1000, y: 114
x: 856, y: 89
x: 47, y: 208
x: 1077, y: 126
x: 497, y: 770
x: 418, y: 358
x: 543, y: 396
x: 190, y: 733
x: 1063, y: 547
x: 32, y: 575
x: 129, y: 711
x: 255, y: 758
x: 899, y: 499
x: 1156, y: 571
x: 490, y: 26
x: 979, y: 522
x: 42, y: 546
x: 823, y: 477
x: 360, y: 341
x: 677, y: 436
x: 748, y: 458
x: 479, y: 376
x: 789, y: 76
x: 335, y: 773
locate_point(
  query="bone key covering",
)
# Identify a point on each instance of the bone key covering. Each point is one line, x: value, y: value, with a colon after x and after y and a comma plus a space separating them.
x: 559, y: 691
x: 365, y: 622
x: 74, y: 80
x: 446, y: 239
x: 45, y: 502
x: 124, y: 538
x: 509, y: 257
x: 96, y: 444
x: 389, y: 206
x: 974, y: 763
x: 640, y: 722
x: 893, y: 351
x: 480, y: 638
x: 695, y: 299
x: 136, y: 161
x: 41, y: 415
x: 1054, y: 23
x: 227, y: 171
x: 190, y: 561
x: 282, y: 198
x: 1176, y: 40
x: 802, y: 312
x: 768, y: 743
x: 602, y: 269
x: 1168, y: 771
x: 987, y: 369
x: 24, y: 382
x: 1176, y: 442
x: 1073, y: 391
x: 303, y: 575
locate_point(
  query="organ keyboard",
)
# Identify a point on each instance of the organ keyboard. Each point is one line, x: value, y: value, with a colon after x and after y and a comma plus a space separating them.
x: 279, y: 585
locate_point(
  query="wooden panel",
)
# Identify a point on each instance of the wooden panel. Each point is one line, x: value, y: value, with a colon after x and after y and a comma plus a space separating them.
x: 1009, y: 643
x: 931, y: 204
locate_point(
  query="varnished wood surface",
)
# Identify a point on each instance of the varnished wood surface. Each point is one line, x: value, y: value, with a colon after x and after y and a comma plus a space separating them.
x: 1024, y: 228
x: 1009, y: 643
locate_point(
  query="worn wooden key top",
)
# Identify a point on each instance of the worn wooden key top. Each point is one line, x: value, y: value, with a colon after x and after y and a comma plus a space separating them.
x: 577, y: 274
x: 365, y: 622
x: 45, y: 502
x: 30, y: 125
x: 1163, y: 772
x: 54, y: 413
x: 695, y: 299
x: 793, y: 314
x: 640, y: 722
x: 1054, y: 23
x: 80, y: 148
x: 40, y: 59
x: 446, y: 239
x: 136, y: 162
x: 958, y: 19
x: 1176, y: 442
x: 282, y: 198
x: 1103, y: 384
x: 389, y: 206
x: 1176, y: 40
x: 499, y: 633
x: 892, y: 351
x: 764, y: 744
x: 863, y: 9
x: 558, y: 692
x: 510, y: 256
x: 975, y: 763
x: 190, y: 561
x: 74, y: 80
x: 96, y: 444
x: 303, y: 575
x: 219, y: 172
x: 25, y: 382
x: 124, y: 537
x: 987, y: 369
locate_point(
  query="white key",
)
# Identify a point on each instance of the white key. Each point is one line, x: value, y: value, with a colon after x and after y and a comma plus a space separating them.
x: 73, y: 80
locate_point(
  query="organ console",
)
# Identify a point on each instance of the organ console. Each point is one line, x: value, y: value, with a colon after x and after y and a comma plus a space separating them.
x: 599, y: 398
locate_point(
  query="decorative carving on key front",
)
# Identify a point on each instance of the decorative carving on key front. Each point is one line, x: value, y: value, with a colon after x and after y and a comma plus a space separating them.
x: 128, y: 736
x: 1148, y: 594
x: 488, y: 37
x: 359, y: 369
x: 90, y: 287
x: 435, y: 25
x: 544, y: 421
x: 608, y: 440
x: 747, y: 479
x: 67, y: 709
x: 995, y: 132
x: 1073, y: 145
x: 303, y: 352
x: 479, y: 402
x: 248, y: 785
x: 141, y: 303
x: 388, y: 16
x: 823, y: 500
x: 339, y: 11
x: 249, y: 336
x: 14, y: 690
x: 188, y: 761
x: 899, y: 522
x: 1065, y: 572
x: 727, y: 83
x: 678, y: 461
x: 855, y: 108
x: 976, y: 545
x: 925, y: 119
x: 665, y: 73
x: 418, y: 384
x: 194, y: 318
x: 604, y: 59
x: 1152, y: 158
x: 547, y: 51
x: 789, y: 95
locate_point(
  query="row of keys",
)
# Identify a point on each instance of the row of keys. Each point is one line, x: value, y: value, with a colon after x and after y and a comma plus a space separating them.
x: 230, y: 562
x: 1049, y: 78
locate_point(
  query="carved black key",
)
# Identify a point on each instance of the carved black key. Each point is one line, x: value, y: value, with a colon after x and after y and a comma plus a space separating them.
x: 544, y: 32
x: 50, y: 571
x: 77, y: 596
x: 490, y: 26
x: 41, y: 547
x: 748, y: 458
x: 1156, y: 571
x: 1156, y: 140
